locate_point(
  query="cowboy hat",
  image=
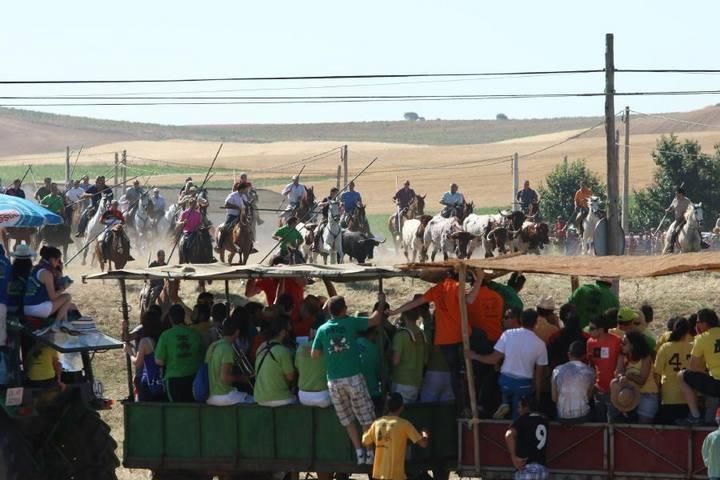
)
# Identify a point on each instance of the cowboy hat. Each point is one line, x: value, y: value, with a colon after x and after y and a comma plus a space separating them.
x: 546, y: 303
x: 22, y: 250
x: 624, y: 395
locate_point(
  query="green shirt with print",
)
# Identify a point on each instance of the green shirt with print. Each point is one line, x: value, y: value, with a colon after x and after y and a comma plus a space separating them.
x: 592, y: 300
x: 180, y: 350
x: 409, y: 342
x: 219, y: 353
x: 288, y: 236
x: 370, y: 365
x: 312, y: 375
x: 337, y: 339
x: 271, y: 367
x: 510, y: 297
x: 54, y: 203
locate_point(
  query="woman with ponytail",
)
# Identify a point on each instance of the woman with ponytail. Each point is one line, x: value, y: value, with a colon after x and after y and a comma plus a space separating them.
x: 45, y: 292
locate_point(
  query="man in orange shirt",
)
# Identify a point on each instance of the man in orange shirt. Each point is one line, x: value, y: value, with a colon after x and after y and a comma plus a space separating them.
x: 448, y: 332
x: 581, y: 206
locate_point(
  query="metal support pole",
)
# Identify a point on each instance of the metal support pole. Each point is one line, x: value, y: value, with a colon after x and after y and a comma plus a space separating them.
x: 124, y: 170
x: 126, y: 337
x: 67, y: 165
x: 626, y: 175
x: 344, y: 156
x: 117, y: 171
x: 516, y: 182
x: 339, y: 173
x: 613, y: 212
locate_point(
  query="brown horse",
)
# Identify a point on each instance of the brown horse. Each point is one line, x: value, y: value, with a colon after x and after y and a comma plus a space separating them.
x: 19, y: 234
x: 302, y: 212
x: 358, y: 222
x: 240, y: 241
x: 118, y: 249
x: 416, y: 209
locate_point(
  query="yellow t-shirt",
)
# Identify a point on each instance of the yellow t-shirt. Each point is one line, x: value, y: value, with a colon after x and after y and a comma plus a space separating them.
x: 390, y: 435
x: 671, y: 358
x: 707, y: 346
x: 650, y: 385
x: 662, y: 339
x: 41, y: 363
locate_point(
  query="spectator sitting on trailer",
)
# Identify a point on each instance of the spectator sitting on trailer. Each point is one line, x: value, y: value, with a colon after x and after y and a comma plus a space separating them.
x: 370, y: 363
x: 559, y: 344
x: 638, y: 368
x: 705, y: 356
x: 629, y: 320
x: 148, y: 376
x: 547, y: 322
x: 312, y: 374
x: 5, y: 275
x: 524, y: 359
x: 337, y: 340
x: 220, y: 359
x: 527, y: 440
x: 572, y: 386
x: 673, y: 356
x: 389, y: 435
x: 437, y: 386
x: 408, y: 357
x: 593, y: 299
x: 218, y: 314
x: 711, y: 450
x: 180, y: 352
x: 604, y: 354
x: 42, y: 367
x: 201, y: 323
x: 274, y: 369
x: 512, y: 318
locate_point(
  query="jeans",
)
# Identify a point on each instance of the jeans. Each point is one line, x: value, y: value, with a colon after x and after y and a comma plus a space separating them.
x: 605, y: 411
x: 454, y: 358
x: 514, y: 388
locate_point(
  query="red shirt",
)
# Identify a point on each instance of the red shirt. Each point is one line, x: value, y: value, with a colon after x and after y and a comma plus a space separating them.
x: 444, y: 296
x: 603, y: 356
x: 287, y: 285
x: 486, y: 313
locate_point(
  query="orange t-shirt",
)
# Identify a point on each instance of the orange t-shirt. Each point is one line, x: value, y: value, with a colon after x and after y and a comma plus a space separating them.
x: 296, y: 289
x: 447, y: 312
x: 486, y: 313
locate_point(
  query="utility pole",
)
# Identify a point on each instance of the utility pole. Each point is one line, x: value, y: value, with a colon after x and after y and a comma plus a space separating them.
x: 124, y: 170
x: 613, y: 212
x: 339, y: 174
x: 117, y: 169
x: 67, y: 165
x: 344, y: 157
x: 516, y: 182
x: 626, y: 175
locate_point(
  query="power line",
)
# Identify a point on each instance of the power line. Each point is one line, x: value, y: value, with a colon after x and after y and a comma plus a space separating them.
x: 303, y: 77
x: 667, y: 70
x: 677, y: 120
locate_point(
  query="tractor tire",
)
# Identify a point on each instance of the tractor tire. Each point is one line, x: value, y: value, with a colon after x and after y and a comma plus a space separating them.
x: 16, y: 456
x: 85, y: 450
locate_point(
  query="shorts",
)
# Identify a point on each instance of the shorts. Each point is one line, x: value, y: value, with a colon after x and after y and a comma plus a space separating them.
x: 41, y: 310
x: 351, y: 400
x: 700, y: 381
x: 280, y: 403
x: 409, y: 393
x: 315, y: 399
x: 233, y: 397
x: 648, y: 406
x: 532, y: 471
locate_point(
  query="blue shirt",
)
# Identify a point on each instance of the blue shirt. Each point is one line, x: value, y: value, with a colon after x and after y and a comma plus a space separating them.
x: 711, y: 453
x: 35, y: 291
x: 350, y: 200
x: 5, y: 272
x: 97, y: 194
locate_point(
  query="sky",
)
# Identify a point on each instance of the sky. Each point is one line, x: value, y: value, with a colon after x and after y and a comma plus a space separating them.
x: 49, y: 40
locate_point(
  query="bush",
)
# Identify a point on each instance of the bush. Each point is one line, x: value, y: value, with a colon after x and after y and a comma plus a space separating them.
x: 558, y: 193
x: 501, y: 116
x: 411, y: 116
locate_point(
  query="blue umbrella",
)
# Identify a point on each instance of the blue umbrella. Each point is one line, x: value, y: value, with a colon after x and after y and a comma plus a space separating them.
x: 18, y: 212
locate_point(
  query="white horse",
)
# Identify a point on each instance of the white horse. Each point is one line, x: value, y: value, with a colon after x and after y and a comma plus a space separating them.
x: 589, y: 224
x: 95, y: 226
x: 689, y: 238
x: 332, y: 235
x: 143, y: 222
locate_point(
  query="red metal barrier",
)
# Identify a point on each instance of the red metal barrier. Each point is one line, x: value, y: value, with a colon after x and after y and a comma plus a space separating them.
x: 595, y: 450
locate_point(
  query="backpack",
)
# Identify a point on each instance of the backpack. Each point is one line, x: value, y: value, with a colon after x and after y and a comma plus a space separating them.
x: 201, y: 383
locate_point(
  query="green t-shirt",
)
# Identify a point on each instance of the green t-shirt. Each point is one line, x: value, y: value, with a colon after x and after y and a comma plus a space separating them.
x: 288, y: 236
x: 370, y: 365
x: 592, y: 300
x: 510, y: 297
x: 312, y: 375
x: 337, y: 340
x: 270, y: 381
x: 410, y: 344
x: 181, y: 351
x: 219, y: 353
x: 54, y: 203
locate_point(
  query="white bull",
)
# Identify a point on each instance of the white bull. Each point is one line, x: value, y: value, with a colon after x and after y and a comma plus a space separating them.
x: 487, y: 231
x: 413, y: 232
x: 448, y: 236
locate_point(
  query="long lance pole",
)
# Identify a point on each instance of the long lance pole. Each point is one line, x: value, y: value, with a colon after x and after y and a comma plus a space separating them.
x: 76, y: 161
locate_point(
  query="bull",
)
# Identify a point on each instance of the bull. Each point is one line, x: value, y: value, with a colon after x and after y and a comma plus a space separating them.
x: 358, y: 246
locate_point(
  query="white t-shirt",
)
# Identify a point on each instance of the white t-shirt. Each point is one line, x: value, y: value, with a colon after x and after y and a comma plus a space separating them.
x: 573, y: 380
x: 294, y: 193
x: 523, y: 350
x: 73, y: 194
x: 235, y: 199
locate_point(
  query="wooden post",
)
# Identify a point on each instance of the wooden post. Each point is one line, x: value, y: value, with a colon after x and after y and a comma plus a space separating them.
x: 462, y: 272
x: 626, y: 176
x: 516, y: 182
x: 574, y: 283
x: 339, y: 173
x: 67, y: 165
x: 344, y: 156
x: 613, y: 212
x: 126, y: 338
x: 381, y: 342
x: 124, y: 170
x: 117, y: 171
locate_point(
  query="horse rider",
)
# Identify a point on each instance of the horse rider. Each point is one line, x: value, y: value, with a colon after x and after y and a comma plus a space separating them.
x: 191, y: 221
x: 235, y: 207
x: 158, y: 203
x: 452, y: 201
x: 185, y: 188
x: 678, y: 207
x: 156, y: 284
x: 16, y: 189
x: 53, y: 201
x: 350, y: 199
x: 528, y: 198
x: 111, y: 217
x: 132, y: 195
x: 290, y: 239
x: 44, y: 190
x: 582, y: 209
x: 252, y: 198
x: 95, y: 193
x: 324, y: 208
x: 295, y: 193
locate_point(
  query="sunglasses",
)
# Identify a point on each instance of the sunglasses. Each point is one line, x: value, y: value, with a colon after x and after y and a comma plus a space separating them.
x: 592, y: 328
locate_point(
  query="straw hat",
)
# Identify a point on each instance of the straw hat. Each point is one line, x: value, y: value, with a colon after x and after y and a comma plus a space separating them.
x: 624, y: 395
x: 546, y: 303
x: 22, y: 250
